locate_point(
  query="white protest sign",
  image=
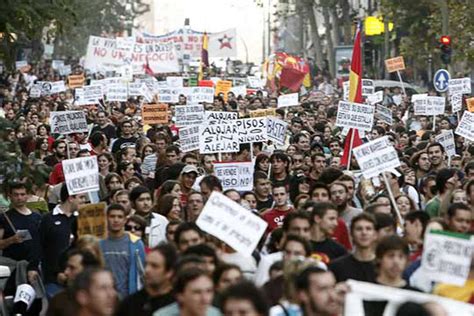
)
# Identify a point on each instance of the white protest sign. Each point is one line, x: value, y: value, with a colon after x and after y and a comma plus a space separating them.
x: 376, y: 157
x: 231, y: 223
x: 81, y: 174
x: 65, y: 70
x: 466, y: 126
x: 126, y: 72
x: 35, y: 91
x: 186, y: 115
x: 57, y: 64
x: 276, y: 130
x: 255, y: 82
x: 58, y: 86
x: 20, y: 64
x: 168, y: 95
x: 235, y: 175
x: 189, y: 138
x: 456, y: 102
x: 459, y: 85
x: 135, y: 89
x: 92, y: 94
x: 251, y: 130
x: 355, y: 115
x: 117, y: 92
x: 446, y: 138
x: 384, y: 114
x: 218, y: 138
x: 199, y: 94
x: 174, y: 82
x: 345, y: 90
x: 68, y: 122
x: 428, y: 105
x: 149, y: 164
x: 239, y: 90
x: 288, y: 100
x: 375, y: 97
x: 220, y: 117
x: 362, y: 297
x: 447, y: 257
x: 368, y: 87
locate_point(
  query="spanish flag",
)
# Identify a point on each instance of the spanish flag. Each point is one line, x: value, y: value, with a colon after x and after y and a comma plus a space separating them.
x: 204, y: 55
x: 355, y: 94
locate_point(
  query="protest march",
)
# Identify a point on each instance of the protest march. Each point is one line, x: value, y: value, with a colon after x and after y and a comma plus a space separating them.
x: 140, y: 177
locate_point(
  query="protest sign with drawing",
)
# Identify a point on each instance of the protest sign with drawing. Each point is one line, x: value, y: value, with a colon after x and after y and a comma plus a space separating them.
x: 288, y: 100
x: 186, y: 115
x: 235, y: 175
x: 220, y: 117
x: 189, y: 138
x: 81, y: 174
x: 384, y: 114
x: 68, y: 122
x: 223, y: 86
x: 447, y: 257
x: 236, y: 226
x: 219, y: 138
x: 276, y: 130
x: 92, y: 220
x: 466, y: 126
x: 376, y: 157
x: 355, y: 115
x: 446, y: 139
x: 155, y: 114
x: 251, y: 130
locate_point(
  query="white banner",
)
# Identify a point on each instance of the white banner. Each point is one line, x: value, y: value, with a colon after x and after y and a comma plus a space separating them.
x: 231, y: 223
x: 68, y: 122
x: 460, y: 85
x: 447, y: 257
x: 235, y: 175
x: 446, y: 138
x: 218, y: 138
x: 355, y: 115
x: 186, y: 115
x: 276, y: 130
x: 428, y: 105
x: 189, y: 138
x: 251, y: 130
x: 362, y: 297
x: 117, y: 92
x: 81, y: 174
x: 220, y: 117
x: 376, y: 157
x: 384, y: 114
x: 288, y: 100
x: 466, y: 126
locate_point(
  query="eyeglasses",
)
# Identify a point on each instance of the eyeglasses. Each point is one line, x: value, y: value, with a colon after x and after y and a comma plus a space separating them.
x: 132, y: 227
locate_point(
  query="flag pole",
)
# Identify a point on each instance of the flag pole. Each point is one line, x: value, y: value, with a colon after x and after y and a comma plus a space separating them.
x: 349, y: 160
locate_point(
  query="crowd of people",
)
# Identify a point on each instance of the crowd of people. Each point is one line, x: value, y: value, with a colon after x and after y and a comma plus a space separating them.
x: 326, y: 223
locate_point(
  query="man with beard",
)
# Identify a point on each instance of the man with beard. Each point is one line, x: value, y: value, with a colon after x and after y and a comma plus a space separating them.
x: 319, y: 163
x: 104, y: 126
x: 340, y: 197
x: 421, y: 163
x: 160, y: 266
x: 59, y: 153
x: 126, y: 139
x: 436, y: 155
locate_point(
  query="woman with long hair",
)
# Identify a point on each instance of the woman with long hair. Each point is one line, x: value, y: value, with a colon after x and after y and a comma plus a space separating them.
x: 170, y: 207
x: 106, y: 163
x: 41, y: 150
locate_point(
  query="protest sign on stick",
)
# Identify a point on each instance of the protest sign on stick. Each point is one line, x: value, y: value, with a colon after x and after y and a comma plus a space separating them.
x: 384, y: 114
x: 396, y: 64
x: 375, y: 97
x: 68, y: 122
x: 459, y: 85
x: 189, y: 138
x: 230, y: 222
x: 466, y: 126
x: 355, y: 115
x: 81, y: 174
x: 155, y: 114
x: 220, y: 117
x: 218, y: 138
x: 75, y: 81
x: 92, y: 220
x: 186, y: 115
x: 446, y: 139
x: 288, y: 100
x: 276, y: 130
x: 251, y: 130
x: 235, y: 175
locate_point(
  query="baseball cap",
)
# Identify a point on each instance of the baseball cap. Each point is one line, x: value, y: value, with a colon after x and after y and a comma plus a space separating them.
x: 189, y: 169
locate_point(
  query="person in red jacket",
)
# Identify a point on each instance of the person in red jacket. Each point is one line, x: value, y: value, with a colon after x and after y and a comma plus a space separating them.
x: 275, y: 216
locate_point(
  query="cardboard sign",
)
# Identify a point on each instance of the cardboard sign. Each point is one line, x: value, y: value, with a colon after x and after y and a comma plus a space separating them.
x: 276, y: 130
x: 92, y: 220
x: 223, y: 86
x: 447, y: 257
x: 263, y: 112
x: 288, y: 100
x: 376, y: 157
x: 446, y: 138
x: 68, y: 122
x: 456, y: 102
x: 81, y: 174
x: 355, y: 115
x: 189, y: 138
x: 231, y: 223
x: 220, y: 117
x: 395, y: 64
x: 117, y: 92
x: 75, y: 81
x: 218, y: 138
x: 375, y: 97
x: 155, y: 114
x: 251, y: 130
x: 186, y: 115
x: 199, y: 94
x: 470, y: 104
x: 384, y: 114
x: 362, y: 297
x: 235, y: 175
x: 429, y: 105
x: 459, y: 85
x: 466, y: 126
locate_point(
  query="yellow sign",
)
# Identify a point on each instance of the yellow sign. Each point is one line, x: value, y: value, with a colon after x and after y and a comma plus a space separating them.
x: 75, y: 81
x: 223, y: 86
x: 374, y: 26
x: 263, y: 112
x: 92, y: 220
x: 395, y: 64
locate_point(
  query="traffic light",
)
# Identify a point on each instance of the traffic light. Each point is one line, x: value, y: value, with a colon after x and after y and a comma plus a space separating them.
x: 446, y: 49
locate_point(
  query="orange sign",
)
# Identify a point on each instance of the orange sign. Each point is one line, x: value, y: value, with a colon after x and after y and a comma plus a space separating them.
x: 155, y: 114
x: 470, y: 104
x: 92, y: 220
x: 223, y: 86
x: 76, y: 81
x: 395, y: 64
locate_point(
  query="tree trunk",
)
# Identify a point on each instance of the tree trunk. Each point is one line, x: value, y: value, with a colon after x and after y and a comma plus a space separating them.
x: 336, y: 39
x: 315, y: 35
x: 330, y: 50
x: 345, y: 8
